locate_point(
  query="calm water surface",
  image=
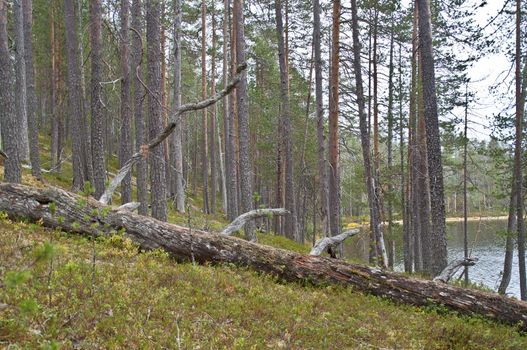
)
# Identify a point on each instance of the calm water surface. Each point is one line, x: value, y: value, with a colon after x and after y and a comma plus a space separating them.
x: 486, y: 242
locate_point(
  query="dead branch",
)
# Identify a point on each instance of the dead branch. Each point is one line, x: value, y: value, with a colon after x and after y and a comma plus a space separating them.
x: 241, y: 220
x: 328, y: 242
x: 453, y: 267
x: 127, y: 167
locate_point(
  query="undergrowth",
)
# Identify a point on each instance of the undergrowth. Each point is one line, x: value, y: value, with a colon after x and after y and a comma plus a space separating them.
x: 147, y: 300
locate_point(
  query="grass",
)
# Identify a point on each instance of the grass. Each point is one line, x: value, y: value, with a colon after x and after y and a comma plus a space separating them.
x: 147, y: 300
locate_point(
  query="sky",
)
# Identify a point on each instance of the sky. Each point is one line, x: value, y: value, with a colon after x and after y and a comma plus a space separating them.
x: 483, y: 74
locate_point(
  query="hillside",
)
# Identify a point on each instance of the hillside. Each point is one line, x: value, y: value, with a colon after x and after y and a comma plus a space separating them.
x: 146, y: 300
x: 137, y: 299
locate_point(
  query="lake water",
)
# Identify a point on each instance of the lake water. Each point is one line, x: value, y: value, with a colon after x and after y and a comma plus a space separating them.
x: 486, y: 242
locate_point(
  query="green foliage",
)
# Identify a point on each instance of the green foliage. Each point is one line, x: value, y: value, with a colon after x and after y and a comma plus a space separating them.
x: 14, y: 279
x: 44, y: 252
x: 28, y: 307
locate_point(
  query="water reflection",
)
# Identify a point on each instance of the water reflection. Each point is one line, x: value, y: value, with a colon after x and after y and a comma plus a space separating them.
x: 486, y: 242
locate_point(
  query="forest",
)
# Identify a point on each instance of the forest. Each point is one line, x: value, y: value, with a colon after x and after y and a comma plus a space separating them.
x: 370, y: 147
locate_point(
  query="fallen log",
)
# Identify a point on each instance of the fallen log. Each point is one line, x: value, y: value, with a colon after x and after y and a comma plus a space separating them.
x: 79, y: 214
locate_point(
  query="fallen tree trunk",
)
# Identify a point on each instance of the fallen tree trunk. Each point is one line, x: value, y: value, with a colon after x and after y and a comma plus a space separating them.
x: 76, y: 214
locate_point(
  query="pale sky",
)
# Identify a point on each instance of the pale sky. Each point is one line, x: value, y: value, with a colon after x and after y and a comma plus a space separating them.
x: 483, y: 74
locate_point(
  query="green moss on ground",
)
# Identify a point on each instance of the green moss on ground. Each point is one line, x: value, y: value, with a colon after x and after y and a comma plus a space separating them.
x: 147, y: 300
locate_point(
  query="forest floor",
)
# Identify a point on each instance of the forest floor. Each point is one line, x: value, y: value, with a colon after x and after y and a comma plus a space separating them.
x: 59, y: 290
x: 53, y: 295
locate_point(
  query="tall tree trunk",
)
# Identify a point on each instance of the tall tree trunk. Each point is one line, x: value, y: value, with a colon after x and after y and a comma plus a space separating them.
x: 422, y: 201
x: 334, y: 180
x: 97, y: 116
x: 365, y: 139
x: 246, y: 187
x: 509, y: 244
x: 204, y: 144
x: 140, y: 128
x: 414, y: 245
x: 54, y: 158
x: 20, y: 79
x: 20, y: 74
x: 232, y: 169
x: 518, y: 158
x: 391, y: 241
x: 176, y: 157
x: 125, y: 145
x: 465, y: 197
x: 322, y: 166
x: 404, y: 192
x: 157, y: 159
x: 214, y: 110
x: 229, y: 111
x: 230, y: 166
x: 75, y: 98
x: 413, y: 151
x: 435, y: 167
x: 61, y: 137
x: 10, y: 128
x: 290, y: 221
x: 32, y: 120
x: 85, y: 134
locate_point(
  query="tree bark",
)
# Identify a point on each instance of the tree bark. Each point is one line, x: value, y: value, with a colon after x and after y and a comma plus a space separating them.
x: 435, y: 167
x: 246, y: 186
x: 334, y: 178
x: 33, y: 204
x: 125, y: 144
x: 321, y: 139
x: 53, y: 92
x: 97, y: 117
x: 423, y: 235
x: 213, y: 163
x: 32, y: 120
x: 290, y: 228
x: 157, y: 162
x: 9, y: 127
x: 518, y: 175
x: 234, y: 184
x: 75, y: 98
x: 20, y: 86
x: 390, y: 151
x: 140, y: 129
x: 230, y: 167
x: 509, y: 243
x: 204, y: 142
x: 176, y: 157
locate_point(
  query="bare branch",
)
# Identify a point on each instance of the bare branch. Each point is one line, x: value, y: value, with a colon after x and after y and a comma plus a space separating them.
x: 453, y: 267
x: 326, y: 242
x: 145, y: 149
x: 129, y: 206
x: 241, y: 220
